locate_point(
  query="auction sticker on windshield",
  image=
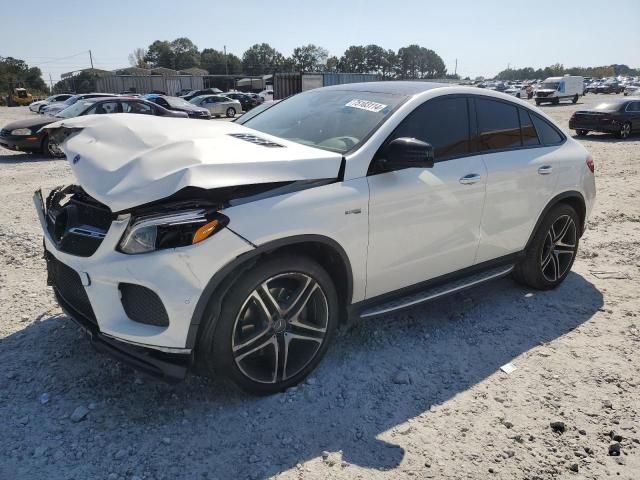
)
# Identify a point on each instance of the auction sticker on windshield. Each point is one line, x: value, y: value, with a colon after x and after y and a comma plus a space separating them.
x: 366, y: 105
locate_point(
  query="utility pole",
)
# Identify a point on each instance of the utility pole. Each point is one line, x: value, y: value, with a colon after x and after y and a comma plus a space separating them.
x: 226, y: 62
x: 51, y: 82
x: 455, y: 71
x: 91, y: 59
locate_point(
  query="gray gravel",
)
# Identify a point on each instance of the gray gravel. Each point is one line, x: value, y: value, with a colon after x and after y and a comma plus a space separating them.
x: 417, y: 394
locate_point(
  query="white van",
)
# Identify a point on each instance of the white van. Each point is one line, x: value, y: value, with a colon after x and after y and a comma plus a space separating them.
x: 554, y: 89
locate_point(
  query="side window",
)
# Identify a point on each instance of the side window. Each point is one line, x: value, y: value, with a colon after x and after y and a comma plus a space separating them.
x: 548, y: 135
x: 498, y: 125
x: 162, y: 102
x: 104, y: 107
x: 442, y: 123
x: 137, y: 107
x: 529, y: 135
x: 633, y: 107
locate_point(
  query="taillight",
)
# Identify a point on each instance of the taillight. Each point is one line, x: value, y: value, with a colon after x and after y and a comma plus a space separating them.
x: 590, y: 165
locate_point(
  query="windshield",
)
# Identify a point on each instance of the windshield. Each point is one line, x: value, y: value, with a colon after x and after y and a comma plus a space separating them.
x: 335, y: 120
x: 550, y: 85
x: 198, y: 99
x: 255, y: 111
x: 178, y: 102
x: 74, y: 110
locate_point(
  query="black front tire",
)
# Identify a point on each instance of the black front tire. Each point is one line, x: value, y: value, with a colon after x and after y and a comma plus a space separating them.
x: 582, y: 133
x: 625, y: 131
x: 231, y: 112
x: 51, y: 149
x: 215, y: 351
x: 531, y: 271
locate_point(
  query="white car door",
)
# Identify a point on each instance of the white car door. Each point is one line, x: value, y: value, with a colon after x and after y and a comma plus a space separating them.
x: 425, y: 222
x: 521, y: 177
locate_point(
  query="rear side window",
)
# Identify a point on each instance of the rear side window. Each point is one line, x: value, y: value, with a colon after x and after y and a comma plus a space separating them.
x: 444, y: 123
x: 498, y: 125
x: 547, y: 133
x: 529, y: 135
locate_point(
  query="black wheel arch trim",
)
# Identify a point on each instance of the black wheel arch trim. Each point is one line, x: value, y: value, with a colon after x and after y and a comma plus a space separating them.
x: 571, y: 194
x: 226, y: 273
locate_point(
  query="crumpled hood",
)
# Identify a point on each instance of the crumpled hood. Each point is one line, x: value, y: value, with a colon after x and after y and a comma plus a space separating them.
x: 127, y: 160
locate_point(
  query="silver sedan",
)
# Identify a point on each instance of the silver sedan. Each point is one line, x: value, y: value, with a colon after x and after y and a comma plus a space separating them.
x: 218, y: 105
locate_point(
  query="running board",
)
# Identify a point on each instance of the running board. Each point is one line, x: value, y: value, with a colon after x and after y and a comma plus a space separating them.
x: 436, y: 292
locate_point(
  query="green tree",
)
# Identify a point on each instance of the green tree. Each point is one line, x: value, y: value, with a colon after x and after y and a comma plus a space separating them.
x: 215, y: 62
x: 15, y: 72
x: 160, y: 54
x: 354, y: 59
x: 332, y: 64
x: 309, y: 58
x: 375, y: 58
x: 185, y: 54
x: 136, y: 58
x: 261, y: 59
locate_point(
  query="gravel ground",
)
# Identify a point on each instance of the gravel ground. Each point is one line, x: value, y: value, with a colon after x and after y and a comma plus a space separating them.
x: 415, y: 394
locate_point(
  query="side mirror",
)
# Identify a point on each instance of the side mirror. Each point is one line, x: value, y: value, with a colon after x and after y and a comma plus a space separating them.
x: 405, y: 152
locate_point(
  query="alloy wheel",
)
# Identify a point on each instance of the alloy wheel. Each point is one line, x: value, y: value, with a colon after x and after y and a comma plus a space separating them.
x: 54, y: 149
x: 625, y: 130
x: 559, y: 248
x: 280, y: 328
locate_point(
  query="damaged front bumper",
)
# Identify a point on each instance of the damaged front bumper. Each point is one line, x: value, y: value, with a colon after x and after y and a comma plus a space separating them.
x: 90, y: 290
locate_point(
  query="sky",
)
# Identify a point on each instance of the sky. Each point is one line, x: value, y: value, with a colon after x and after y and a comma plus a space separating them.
x: 485, y: 36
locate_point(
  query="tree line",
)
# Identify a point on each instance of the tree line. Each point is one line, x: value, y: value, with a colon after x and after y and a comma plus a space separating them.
x: 410, y: 62
x: 16, y: 73
x: 557, y: 70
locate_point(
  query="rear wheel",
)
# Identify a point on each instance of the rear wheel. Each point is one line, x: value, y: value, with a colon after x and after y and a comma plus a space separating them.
x: 538, y: 102
x: 625, y: 131
x: 556, y: 101
x: 231, y: 112
x: 574, y: 99
x: 550, y: 256
x: 275, y: 324
x: 582, y: 133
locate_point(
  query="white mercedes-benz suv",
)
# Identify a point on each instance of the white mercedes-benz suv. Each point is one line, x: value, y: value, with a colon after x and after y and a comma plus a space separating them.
x: 237, y: 249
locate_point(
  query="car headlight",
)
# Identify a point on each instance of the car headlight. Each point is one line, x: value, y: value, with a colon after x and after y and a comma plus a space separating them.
x: 171, y: 230
x: 21, y: 132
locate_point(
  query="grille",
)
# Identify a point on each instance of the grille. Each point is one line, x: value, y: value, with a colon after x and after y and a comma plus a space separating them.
x: 256, y: 140
x: 143, y: 305
x: 77, y: 225
x: 66, y: 282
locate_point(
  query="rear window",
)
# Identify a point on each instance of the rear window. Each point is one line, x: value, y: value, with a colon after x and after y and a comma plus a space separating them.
x: 529, y: 134
x: 546, y: 132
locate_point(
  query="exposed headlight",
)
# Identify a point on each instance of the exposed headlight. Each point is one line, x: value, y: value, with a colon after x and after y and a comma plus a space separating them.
x: 21, y: 131
x: 172, y: 230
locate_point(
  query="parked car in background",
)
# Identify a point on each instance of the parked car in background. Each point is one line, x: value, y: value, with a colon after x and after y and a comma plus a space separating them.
x: 196, y: 93
x: 247, y: 100
x: 27, y: 135
x: 218, y: 105
x: 519, y: 91
x: 609, y: 87
x: 54, y: 108
x: 266, y: 94
x: 351, y: 201
x: 554, y: 89
x: 179, y: 105
x: 632, y: 88
x: 591, y: 86
x: 620, y: 117
x: 255, y: 111
x: 39, y: 106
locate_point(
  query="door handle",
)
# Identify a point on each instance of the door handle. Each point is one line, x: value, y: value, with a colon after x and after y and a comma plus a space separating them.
x: 470, y: 179
x: 545, y: 170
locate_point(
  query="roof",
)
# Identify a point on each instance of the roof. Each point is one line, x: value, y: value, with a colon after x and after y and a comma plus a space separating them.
x: 394, y: 87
